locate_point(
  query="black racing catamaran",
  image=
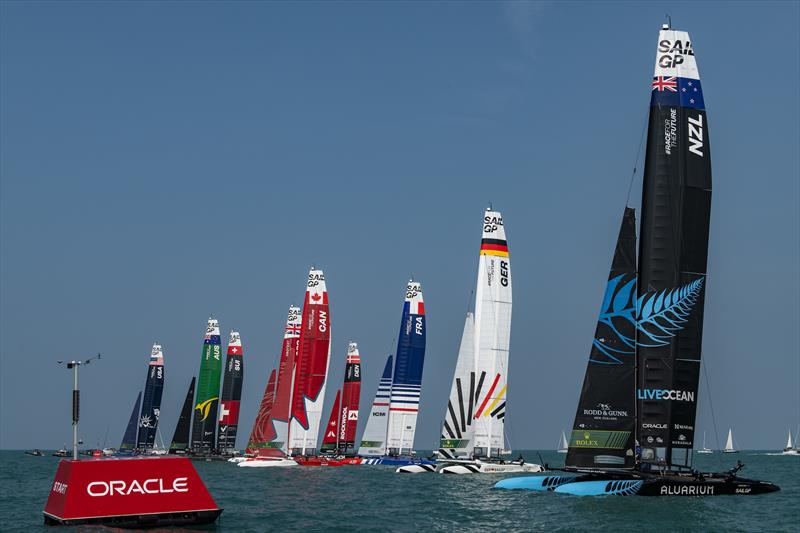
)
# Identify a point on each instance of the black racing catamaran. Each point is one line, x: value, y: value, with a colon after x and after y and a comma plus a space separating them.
x: 634, y: 426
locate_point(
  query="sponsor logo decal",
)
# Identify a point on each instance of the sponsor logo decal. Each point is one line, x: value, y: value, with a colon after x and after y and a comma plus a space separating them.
x: 148, y: 486
x: 687, y: 490
x: 604, y: 411
x: 615, y: 440
x: 671, y: 131
x: 205, y: 407
x: 664, y: 394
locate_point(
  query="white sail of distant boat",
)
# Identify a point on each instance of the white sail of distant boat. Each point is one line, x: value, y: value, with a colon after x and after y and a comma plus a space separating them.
x: 729, y: 443
x: 563, y: 445
x: 704, y: 449
x: 790, y: 447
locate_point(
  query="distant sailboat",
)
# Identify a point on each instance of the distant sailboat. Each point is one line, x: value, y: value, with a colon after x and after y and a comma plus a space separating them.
x: 563, y: 445
x: 729, y: 444
x: 790, y: 449
x: 704, y: 449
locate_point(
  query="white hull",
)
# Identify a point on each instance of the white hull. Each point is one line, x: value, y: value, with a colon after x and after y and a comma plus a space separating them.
x: 265, y: 463
x: 730, y: 451
x: 791, y: 452
x: 238, y: 459
x: 479, y: 467
x: 705, y: 451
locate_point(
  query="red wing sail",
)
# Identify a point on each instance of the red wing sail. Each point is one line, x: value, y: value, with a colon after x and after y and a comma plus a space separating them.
x: 330, y: 440
x: 312, y: 365
x: 262, y: 431
x: 351, y: 394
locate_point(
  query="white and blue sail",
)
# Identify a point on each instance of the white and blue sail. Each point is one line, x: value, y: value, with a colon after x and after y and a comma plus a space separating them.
x: 407, y: 376
x: 373, y: 441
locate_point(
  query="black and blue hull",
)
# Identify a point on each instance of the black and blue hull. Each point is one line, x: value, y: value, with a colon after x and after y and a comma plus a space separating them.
x: 640, y: 484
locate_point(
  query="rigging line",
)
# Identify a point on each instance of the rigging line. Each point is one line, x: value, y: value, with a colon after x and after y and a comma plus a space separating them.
x: 638, y: 156
x: 711, y: 405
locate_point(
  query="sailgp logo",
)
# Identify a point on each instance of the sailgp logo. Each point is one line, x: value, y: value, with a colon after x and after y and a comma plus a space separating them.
x: 664, y: 394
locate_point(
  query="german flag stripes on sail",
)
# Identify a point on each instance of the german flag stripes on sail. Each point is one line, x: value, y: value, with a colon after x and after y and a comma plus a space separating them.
x: 497, y: 247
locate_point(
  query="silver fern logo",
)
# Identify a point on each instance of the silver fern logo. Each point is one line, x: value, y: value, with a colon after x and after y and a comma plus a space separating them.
x: 662, y: 314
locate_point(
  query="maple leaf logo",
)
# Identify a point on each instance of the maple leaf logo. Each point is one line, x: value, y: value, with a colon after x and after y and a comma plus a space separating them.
x: 316, y: 297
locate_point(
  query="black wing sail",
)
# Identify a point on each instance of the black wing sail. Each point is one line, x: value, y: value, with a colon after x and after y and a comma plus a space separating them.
x: 676, y: 207
x: 129, y: 438
x: 180, y: 440
x: 151, y: 402
x: 231, y: 395
x: 603, y: 432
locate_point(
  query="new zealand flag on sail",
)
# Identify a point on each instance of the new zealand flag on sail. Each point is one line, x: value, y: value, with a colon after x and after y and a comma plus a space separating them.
x: 674, y: 91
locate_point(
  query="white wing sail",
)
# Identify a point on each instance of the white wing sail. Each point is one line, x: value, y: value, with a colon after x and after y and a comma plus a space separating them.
x: 492, y: 335
x: 457, y: 429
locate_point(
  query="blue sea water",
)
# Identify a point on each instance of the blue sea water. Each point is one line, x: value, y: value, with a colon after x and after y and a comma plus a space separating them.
x: 374, y: 498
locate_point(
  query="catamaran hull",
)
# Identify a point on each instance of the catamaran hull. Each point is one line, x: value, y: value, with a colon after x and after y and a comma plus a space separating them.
x: 642, y: 486
x: 535, y: 483
x: 470, y: 467
x: 395, y: 461
x: 266, y: 463
x: 490, y: 468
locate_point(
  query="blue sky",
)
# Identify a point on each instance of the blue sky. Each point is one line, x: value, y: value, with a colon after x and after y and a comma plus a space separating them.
x: 164, y: 161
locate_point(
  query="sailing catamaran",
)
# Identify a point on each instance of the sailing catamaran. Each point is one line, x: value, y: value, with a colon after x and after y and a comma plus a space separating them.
x: 634, y: 426
x: 151, y: 401
x: 140, y: 433
x: 205, y: 409
x: 473, y: 432
x: 269, y: 438
x: 231, y: 395
x: 389, y: 436
x: 340, y: 434
x: 729, y: 444
x: 311, y: 369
